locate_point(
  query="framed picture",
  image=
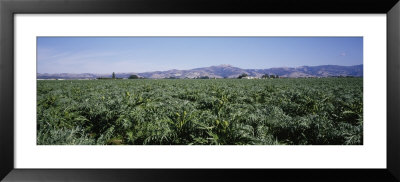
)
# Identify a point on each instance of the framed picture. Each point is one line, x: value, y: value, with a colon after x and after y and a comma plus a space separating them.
x: 129, y: 90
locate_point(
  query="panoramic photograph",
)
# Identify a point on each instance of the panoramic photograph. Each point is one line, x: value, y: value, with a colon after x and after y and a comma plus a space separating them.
x: 199, y: 91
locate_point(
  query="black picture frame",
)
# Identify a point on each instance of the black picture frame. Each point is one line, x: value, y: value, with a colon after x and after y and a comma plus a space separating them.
x: 8, y: 8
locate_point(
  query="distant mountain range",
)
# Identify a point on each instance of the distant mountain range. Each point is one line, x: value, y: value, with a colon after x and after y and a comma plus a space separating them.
x: 225, y: 71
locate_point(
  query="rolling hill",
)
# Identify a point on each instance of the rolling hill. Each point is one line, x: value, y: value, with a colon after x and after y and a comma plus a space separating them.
x: 226, y: 71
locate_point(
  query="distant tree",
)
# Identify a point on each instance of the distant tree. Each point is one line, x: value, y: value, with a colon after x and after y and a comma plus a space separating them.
x: 133, y: 77
x: 113, y: 75
x: 242, y: 75
x: 265, y: 76
x: 104, y: 78
x: 276, y: 76
x: 272, y: 76
x: 204, y: 77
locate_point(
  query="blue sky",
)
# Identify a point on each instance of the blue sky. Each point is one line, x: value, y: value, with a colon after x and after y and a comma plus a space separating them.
x: 141, y: 54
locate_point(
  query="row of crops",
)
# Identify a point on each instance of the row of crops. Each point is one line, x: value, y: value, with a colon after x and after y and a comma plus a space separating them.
x: 318, y: 111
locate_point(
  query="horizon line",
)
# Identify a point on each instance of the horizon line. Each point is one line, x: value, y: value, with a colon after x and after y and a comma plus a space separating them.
x: 205, y: 67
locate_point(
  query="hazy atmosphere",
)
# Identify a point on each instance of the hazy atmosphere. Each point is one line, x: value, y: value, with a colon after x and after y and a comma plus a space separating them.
x: 144, y: 54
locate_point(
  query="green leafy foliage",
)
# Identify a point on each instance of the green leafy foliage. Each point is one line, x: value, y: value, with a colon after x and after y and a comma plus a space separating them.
x: 318, y: 111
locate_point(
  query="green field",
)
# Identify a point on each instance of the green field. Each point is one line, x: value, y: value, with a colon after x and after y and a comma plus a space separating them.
x: 316, y: 111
